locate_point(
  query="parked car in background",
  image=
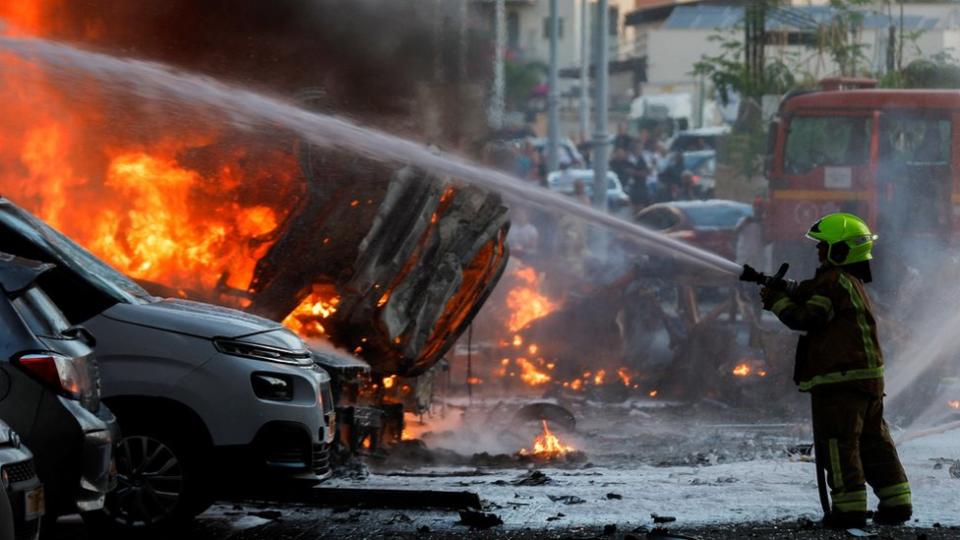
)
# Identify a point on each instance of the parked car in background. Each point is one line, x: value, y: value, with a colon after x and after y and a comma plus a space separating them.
x: 51, y: 393
x: 21, y: 494
x: 210, y: 399
x: 565, y: 182
x: 697, y: 139
x: 712, y: 225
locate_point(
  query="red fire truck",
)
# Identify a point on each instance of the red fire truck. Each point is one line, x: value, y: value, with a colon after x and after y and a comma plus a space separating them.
x: 890, y: 156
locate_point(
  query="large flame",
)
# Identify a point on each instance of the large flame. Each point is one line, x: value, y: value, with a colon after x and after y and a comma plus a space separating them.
x: 163, y: 200
x: 546, y: 445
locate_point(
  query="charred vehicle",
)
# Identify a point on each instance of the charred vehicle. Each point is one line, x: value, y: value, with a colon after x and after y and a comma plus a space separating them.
x: 51, y: 395
x: 20, y: 486
x: 201, y: 392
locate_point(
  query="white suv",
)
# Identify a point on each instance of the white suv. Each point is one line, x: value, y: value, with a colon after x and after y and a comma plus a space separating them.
x: 209, y: 400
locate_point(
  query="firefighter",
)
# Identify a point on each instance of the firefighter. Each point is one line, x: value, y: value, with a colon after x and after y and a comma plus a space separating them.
x: 840, y: 364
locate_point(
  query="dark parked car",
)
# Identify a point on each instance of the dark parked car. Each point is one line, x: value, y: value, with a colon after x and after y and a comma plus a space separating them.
x: 51, y: 393
x: 712, y: 225
x: 211, y: 401
x: 21, y: 494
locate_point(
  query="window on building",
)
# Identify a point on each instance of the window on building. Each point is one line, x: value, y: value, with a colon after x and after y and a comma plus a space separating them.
x: 546, y: 28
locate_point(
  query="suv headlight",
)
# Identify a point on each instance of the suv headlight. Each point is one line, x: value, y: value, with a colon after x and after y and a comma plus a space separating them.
x: 258, y: 351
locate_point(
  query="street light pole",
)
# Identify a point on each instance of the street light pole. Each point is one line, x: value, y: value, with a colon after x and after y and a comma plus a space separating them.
x: 553, y: 120
x: 499, y: 82
x: 601, y: 143
x: 584, y: 70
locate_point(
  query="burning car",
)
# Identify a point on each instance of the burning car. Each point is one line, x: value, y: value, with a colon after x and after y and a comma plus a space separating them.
x: 52, y: 397
x: 200, y: 391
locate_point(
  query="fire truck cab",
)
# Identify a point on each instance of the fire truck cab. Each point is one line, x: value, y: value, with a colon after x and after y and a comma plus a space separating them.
x: 890, y: 156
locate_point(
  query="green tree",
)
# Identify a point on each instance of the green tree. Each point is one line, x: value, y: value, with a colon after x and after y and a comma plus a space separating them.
x: 520, y: 79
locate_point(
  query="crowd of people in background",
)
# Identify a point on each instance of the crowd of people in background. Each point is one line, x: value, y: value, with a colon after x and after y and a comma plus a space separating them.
x: 647, y: 171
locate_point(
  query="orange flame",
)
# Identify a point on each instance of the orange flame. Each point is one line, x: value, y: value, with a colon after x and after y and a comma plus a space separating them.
x: 179, y: 203
x: 547, y: 445
x: 530, y: 374
x: 388, y: 382
x: 742, y: 370
x: 525, y: 302
x: 307, y: 318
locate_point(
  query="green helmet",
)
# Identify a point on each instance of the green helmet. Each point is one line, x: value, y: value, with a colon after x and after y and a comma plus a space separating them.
x: 848, y: 236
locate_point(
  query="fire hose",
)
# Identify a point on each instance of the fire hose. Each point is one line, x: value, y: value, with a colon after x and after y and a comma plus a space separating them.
x: 822, y: 483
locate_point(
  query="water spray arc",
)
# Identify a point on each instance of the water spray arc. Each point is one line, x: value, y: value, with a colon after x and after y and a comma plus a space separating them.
x: 249, y: 110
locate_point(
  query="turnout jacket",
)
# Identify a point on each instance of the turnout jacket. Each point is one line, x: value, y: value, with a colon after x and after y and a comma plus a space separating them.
x: 840, y: 347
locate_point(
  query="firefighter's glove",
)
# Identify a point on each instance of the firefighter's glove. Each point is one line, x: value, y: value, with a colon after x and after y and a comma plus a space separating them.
x: 770, y: 297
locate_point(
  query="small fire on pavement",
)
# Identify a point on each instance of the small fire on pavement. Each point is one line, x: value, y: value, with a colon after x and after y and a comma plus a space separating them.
x: 547, y: 446
x: 744, y: 369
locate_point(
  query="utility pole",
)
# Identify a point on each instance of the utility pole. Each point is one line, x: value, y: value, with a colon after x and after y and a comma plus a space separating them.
x: 584, y: 70
x: 553, y: 119
x: 601, y: 140
x: 463, y: 43
x: 497, y: 98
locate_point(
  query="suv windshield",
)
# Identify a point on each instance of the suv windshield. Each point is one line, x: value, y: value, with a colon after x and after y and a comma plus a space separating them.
x: 40, y: 313
x: 71, y: 255
x: 821, y: 141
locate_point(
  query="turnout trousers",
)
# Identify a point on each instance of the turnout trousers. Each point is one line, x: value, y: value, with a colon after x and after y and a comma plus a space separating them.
x: 854, y: 445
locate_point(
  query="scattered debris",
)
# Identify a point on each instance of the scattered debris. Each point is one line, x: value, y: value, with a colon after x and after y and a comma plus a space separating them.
x: 267, y: 514
x: 566, y: 499
x: 860, y: 533
x: 955, y: 469
x: 609, y: 529
x: 556, y: 517
x: 612, y: 496
x: 479, y: 520
x: 385, y: 498
x: 660, y: 533
x: 805, y: 523
x: 662, y: 519
x: 532, y: 478
x: 399, y: 518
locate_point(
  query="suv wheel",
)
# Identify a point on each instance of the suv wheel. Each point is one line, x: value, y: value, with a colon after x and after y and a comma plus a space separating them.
x: 149, y: 482
x: 160, y: 480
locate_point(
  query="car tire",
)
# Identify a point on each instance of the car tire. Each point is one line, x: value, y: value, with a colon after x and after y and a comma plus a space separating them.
x: 162, y: 479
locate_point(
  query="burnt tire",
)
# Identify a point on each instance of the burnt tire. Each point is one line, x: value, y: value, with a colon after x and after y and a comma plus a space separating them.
x: 162, y: 479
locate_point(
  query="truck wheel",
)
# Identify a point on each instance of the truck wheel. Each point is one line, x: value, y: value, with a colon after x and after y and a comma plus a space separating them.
x: 161, y: 480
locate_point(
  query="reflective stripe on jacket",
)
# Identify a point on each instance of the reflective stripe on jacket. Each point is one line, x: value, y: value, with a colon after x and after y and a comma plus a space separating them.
x: 840, y: 344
